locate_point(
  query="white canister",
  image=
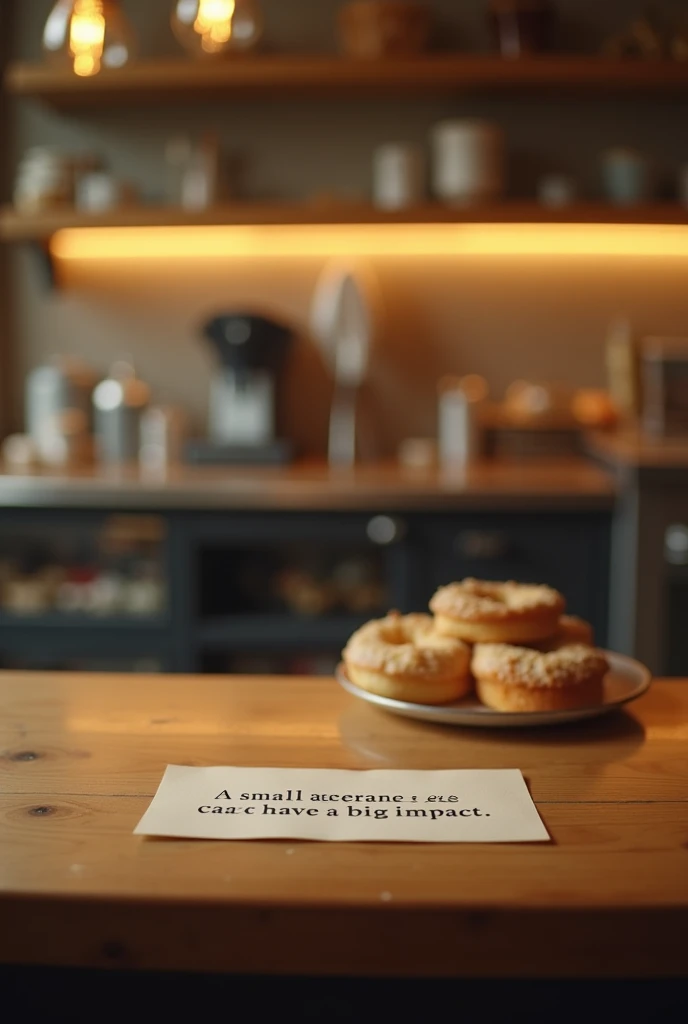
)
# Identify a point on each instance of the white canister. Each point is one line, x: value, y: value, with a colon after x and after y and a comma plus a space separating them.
x: 398, y: 176
x: 161, y: 431
x: 97, y: 192
x: 459, y: 419
x: 468, y: 161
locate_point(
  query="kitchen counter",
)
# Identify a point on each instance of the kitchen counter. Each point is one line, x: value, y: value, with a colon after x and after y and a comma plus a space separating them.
x: 82, y: 757
x: 634, y: 450
x: 567, y: 483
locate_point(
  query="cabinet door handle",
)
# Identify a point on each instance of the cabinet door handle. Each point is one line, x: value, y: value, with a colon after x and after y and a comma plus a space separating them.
x: 386, y: 530
x: 676, y: 544
x: 485, y: 544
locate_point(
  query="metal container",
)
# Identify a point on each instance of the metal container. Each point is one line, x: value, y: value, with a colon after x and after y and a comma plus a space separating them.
x: 63, y: 385
x: 119, y: 402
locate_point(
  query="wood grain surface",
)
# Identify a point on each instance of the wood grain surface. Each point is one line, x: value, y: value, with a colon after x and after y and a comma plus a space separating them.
x: 638, y: 450
x: 17, y: 226
x: 81, y: 757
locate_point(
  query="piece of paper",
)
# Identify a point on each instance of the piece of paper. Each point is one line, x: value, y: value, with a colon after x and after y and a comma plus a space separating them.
x: 467, y: 806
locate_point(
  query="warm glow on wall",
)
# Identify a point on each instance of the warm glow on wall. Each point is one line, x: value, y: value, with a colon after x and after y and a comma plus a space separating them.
x: 383, y: 240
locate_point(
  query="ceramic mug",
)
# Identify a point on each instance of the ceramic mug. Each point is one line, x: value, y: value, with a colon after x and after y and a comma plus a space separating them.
x: 397, y: 176
x: 626, y: 177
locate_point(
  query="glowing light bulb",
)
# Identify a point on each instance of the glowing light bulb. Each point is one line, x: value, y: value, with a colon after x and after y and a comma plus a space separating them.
x: 89, y: 35
x: 211, y: 27
x: 214, y: 23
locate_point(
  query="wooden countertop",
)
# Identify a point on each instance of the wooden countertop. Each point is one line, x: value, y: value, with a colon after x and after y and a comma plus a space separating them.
x: 82, y: 755
x: 635, y: 450
x: 565, y: 483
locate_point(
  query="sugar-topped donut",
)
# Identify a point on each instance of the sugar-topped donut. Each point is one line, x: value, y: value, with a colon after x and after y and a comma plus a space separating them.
x: 521, y: 679
x: 571, y: 630
x: 484, y: 612
x: 401, y: 656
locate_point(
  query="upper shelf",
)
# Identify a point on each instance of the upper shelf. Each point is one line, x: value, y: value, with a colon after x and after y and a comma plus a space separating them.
x: 22, y: 227
x: 159, y: 81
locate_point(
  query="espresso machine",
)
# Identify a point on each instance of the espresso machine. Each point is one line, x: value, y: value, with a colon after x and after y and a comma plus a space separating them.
x: 251, y: 351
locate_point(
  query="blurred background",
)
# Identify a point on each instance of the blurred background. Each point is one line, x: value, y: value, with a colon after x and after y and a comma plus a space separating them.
x: 307, y: 308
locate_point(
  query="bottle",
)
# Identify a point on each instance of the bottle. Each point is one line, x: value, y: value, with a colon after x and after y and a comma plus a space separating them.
x: 459, y: 429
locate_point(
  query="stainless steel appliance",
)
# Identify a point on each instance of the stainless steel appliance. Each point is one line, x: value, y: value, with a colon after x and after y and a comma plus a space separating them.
x: 347, y: 319
x: 251, y: 350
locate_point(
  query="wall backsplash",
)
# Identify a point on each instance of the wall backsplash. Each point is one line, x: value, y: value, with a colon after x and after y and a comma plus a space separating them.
x: 502, y: 317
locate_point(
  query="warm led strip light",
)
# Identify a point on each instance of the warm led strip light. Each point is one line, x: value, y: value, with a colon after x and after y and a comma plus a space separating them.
x: 384, y: 240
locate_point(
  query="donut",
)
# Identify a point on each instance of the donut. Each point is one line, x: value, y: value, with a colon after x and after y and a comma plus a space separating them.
x: 484, y: 612
x: 571, y: 630
x: 521, y: 679
x: 401, y: 656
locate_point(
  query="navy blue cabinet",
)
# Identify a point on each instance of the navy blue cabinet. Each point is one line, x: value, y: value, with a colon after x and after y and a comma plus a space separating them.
x: 261, y: 592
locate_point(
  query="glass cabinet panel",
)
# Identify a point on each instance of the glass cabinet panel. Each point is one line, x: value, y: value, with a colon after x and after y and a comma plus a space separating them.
x: 112, y: 567
x: 298, y: 578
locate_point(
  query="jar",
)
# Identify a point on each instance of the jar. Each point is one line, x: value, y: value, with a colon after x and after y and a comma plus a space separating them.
x: 468, y: 161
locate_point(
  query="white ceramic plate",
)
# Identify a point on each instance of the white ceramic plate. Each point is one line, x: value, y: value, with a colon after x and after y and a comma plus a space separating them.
x: 626, y: 681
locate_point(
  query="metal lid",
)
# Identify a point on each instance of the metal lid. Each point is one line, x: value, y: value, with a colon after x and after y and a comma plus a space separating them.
x: 122, y: 389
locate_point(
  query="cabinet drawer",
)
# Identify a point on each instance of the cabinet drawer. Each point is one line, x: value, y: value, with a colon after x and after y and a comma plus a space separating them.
x: 569, y: 553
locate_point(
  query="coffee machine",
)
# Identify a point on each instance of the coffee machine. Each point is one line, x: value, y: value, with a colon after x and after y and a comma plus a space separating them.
x: 251, y: 350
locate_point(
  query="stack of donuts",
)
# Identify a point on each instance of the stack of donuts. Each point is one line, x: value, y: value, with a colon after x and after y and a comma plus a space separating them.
x: 510, y: 641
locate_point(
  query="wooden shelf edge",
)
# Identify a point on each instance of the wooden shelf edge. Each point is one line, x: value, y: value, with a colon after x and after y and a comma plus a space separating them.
x: 74, y: 621
x: 19, y: 227
x: 161, y: 79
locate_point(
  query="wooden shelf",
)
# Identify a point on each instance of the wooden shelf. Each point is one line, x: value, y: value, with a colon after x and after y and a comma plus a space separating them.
x: 79, y: 621
x: 19, y: 227
x: 172, y: 80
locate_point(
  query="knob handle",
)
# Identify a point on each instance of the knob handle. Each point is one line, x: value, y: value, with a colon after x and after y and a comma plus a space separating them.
x: 386, y: 530
x: 676, y: 544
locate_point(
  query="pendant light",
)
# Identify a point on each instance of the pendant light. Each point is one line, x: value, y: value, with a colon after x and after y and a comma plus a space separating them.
x: 208, y: 28
x: 88, y: 35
